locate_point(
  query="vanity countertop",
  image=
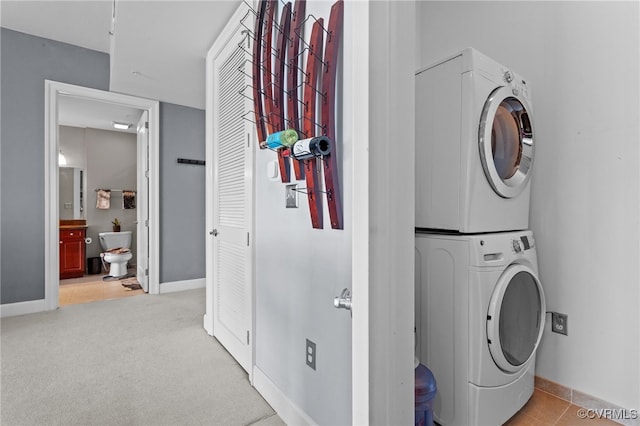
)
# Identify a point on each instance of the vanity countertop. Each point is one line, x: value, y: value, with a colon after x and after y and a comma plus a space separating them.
x: 66, y: 224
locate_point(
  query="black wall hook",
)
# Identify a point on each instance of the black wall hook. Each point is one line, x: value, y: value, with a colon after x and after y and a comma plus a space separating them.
x: 189, y: 161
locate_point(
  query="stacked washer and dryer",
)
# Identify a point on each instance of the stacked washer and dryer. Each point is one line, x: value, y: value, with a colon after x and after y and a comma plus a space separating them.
x: 480, y: 307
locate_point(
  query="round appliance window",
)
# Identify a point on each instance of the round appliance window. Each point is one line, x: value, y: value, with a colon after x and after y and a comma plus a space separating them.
x: 515, y: 320
x: 506, y: 142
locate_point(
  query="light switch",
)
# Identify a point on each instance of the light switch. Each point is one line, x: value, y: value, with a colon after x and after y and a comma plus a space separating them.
x: 272, y: 170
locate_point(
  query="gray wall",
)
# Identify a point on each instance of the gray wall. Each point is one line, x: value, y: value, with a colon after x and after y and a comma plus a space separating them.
x: 581, y: 60
x: 182, y: 193
x: 26, y: 61
x: 111, y: 164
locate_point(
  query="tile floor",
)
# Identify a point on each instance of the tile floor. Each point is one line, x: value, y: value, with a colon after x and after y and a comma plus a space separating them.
x: 545, y: 409
x: 91, y: 288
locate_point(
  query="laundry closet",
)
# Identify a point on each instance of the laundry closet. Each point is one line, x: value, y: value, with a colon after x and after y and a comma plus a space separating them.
x: 480, y: 307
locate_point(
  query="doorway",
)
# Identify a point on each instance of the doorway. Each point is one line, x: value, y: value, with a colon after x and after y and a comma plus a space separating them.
x: 98, y: 155
x: 147, y: 161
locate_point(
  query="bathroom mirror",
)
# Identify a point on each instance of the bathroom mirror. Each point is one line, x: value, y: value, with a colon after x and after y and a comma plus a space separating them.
x: 71, y: 193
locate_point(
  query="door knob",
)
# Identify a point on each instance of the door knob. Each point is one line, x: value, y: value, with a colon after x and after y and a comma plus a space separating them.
x: 343, y: 301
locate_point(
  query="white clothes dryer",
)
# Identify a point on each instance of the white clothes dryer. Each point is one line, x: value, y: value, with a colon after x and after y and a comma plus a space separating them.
x: 480, y: 314
x: 474, y: 146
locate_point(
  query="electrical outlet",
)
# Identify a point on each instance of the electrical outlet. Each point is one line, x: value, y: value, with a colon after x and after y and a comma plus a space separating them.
x: 311, y: 354
x: 559, y: 323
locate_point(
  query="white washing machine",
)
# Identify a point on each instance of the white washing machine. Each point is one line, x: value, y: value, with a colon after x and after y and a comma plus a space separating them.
x: 480, y: 312
x: 474, y: 146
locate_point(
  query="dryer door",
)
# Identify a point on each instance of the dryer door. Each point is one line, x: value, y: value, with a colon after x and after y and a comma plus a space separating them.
x: 515, y: 320
x: 506, y: 142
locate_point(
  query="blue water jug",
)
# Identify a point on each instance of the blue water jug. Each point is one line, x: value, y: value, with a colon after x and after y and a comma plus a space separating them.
x: 425, y: 392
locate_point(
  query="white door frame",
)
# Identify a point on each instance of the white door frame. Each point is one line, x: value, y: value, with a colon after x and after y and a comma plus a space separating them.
x: 391, y: 263
x: 53, y: 90
x: 357, y: 17
x: 142, y: 214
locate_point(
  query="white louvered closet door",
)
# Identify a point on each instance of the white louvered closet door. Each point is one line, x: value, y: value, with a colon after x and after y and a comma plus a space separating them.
x: 232, y: 199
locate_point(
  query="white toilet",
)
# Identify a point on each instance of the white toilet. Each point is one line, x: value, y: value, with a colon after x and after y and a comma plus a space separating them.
x: 116, y: 251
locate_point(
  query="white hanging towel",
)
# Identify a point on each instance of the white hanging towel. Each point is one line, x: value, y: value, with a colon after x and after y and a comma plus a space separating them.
x: 103, y: 199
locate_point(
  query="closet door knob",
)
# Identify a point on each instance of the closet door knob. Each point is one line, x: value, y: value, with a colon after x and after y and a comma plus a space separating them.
x: 343, y: 301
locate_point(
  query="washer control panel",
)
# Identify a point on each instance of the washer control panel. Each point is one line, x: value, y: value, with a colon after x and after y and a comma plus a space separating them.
x: 516, y: 246
x: 522, y: 244
x: 501, y: 249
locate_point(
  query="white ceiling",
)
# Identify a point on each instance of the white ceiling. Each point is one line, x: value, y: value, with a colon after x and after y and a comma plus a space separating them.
x: 79, y: 112
x: 83, y: 23
x: 161, y: 48
x: 157, y: 50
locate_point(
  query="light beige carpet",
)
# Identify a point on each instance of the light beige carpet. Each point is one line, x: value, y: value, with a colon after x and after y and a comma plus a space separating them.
x: 142, y: 360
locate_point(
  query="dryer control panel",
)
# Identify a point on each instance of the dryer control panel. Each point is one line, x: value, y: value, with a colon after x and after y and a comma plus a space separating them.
x: 517, y: 84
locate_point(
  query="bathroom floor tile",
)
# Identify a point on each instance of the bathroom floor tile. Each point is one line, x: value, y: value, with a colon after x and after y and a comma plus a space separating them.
x: 114, y: 293
x: 82, y: 280
x: 86, y: 295
x: 91, y: 290
x: 65, y: 295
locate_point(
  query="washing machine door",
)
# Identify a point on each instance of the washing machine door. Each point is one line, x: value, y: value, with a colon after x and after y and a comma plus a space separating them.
x: 506, y: 141
x: 515, y: 319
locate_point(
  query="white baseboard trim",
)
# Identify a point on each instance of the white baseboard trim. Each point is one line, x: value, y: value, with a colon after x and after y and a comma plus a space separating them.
x: 290, y: 413
x: 174, y: 286
x: 22, y: 308
x: 207, y: 325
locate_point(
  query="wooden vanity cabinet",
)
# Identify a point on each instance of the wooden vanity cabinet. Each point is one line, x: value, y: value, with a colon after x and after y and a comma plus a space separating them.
x: 72, y: 253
